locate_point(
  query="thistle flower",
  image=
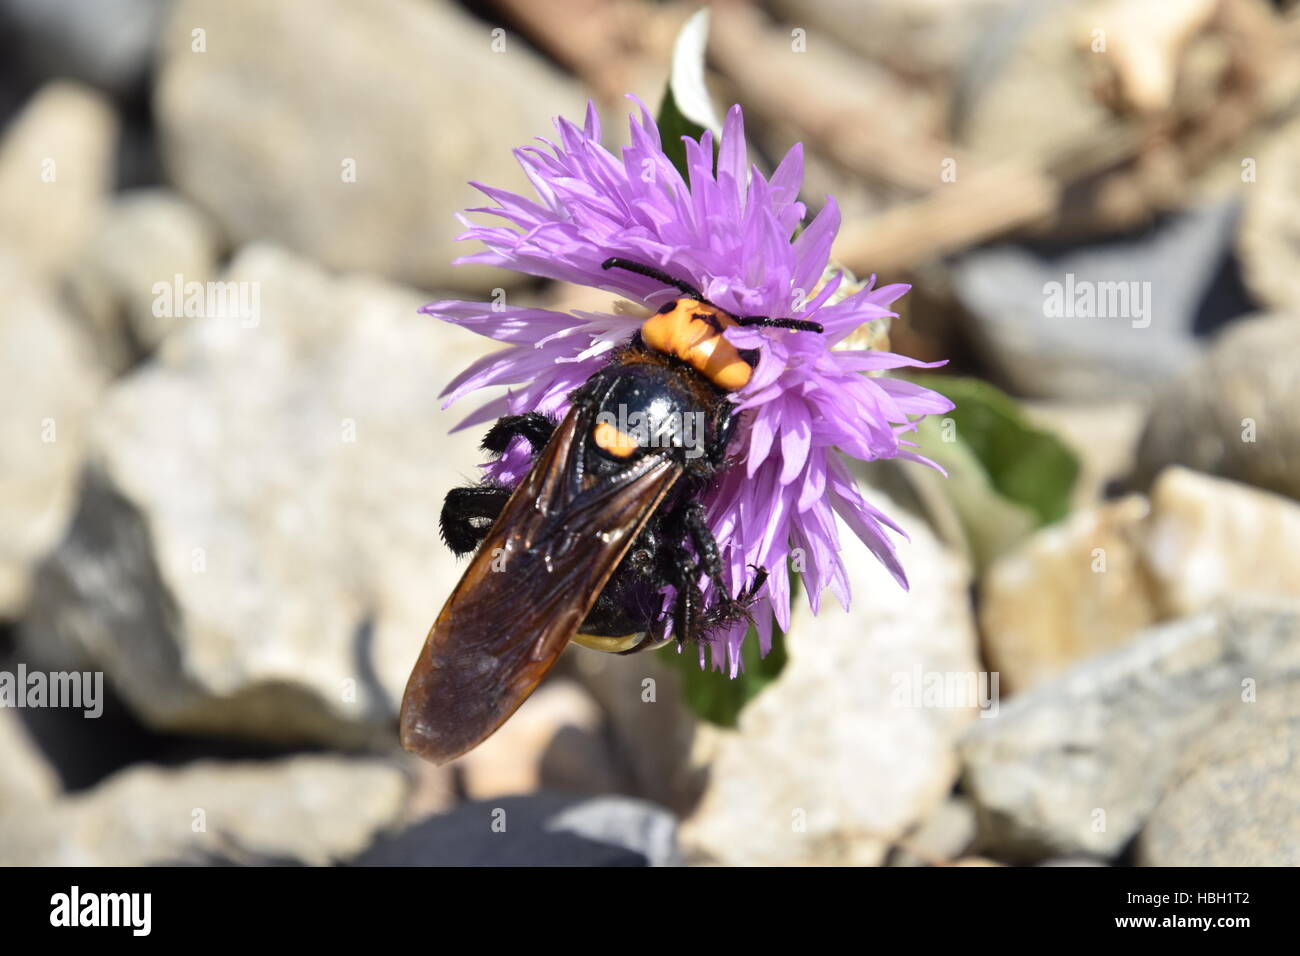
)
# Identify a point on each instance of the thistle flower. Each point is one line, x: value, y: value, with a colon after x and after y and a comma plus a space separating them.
x: 729, y: 233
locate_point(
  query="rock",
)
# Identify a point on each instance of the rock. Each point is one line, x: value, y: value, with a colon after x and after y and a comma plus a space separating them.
x: 51, y: 385
x: 433, y: 789
x: 28, y: 779
x: 358, y: 144
x: 1072, y: 590
x: 1088, y: 584
x: 1075, y: 766
x: 651, y: 726
x: 1234, y: 413
x: 1022, y: 92
x: 1072, y: 861
x: 1126, y: 103
x: 106, y: 43
x: 1095, y: 322
x: 1269, y: 232
x: 1235, y: 800
x: 842, y: 754
x: 931, y: 37
x: 1210, y: 539
x: 540, y: 829
x: 1102, y: 435
x: 55, y: 172
x: 309, y: 809
x: 255, y: 551
x: 942, y: 837
x: 555, y: 740
x: 146, y: 239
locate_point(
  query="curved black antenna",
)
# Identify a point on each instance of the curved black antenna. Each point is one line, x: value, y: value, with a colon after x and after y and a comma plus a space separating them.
x: 650, y: 272
x: 799, y: 325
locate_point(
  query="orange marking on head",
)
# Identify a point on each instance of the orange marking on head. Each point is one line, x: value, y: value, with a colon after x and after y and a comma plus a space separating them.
x: 608, y: 438
x: 699, y: 342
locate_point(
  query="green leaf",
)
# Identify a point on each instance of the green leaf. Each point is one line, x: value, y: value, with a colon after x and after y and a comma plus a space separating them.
x: 713, y: 696
x: 1024, y: 464
x: 717, y: 699
x: 964, y: 507
x: 686, y: 109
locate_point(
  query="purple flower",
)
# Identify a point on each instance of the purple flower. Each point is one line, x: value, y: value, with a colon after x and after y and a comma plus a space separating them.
x: 730, y: 234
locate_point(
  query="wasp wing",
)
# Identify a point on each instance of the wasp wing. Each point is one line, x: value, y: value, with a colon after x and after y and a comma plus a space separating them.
x: 525, y: 593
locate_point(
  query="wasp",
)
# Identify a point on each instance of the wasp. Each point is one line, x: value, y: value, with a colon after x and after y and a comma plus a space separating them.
x: 609, y: 517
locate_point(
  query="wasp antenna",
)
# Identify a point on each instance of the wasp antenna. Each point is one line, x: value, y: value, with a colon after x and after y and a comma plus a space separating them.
x: 798, y: 325
x: 650, y: 272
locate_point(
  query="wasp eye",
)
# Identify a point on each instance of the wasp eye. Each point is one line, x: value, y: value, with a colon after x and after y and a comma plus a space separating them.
x: 667, y: 307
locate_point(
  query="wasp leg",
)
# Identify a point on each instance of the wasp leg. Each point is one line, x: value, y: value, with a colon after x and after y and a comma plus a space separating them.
x: 728, y: 612
x: 468, y: 513
x: 686, y: 611
x: 533, y: 426
x: 751, y: 591
x: 706, y: 546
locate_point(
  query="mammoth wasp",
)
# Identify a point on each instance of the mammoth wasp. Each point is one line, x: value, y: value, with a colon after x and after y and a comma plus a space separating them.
x: 609, y: 517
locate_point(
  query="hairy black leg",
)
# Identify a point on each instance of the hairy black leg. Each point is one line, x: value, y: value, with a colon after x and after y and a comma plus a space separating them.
x: 722, y: 614
x: 751, y: 590
x: 533, y: 426
x: 468, y: 513
x: 706, y: 546
x: 686, y: 611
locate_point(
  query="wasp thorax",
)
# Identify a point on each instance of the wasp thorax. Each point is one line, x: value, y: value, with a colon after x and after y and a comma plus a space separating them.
x: 691, y: 330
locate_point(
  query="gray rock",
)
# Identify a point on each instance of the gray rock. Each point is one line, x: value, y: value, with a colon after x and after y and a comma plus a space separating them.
x: 842, y: 754
x: 556, y: 740
x: 540, y: 829
x: 1072, y: 590
x: 1072, y: 861
x: 51, y: 381
x: 1145, y: 293
x: 28, y: 778
x: 308, y: 809
x: 1270, y: 233
x: 255, y: 550
x: 1234, y: 413
x: 1088, y: 584
x: 943, y: 837
x: 1209, y: 540
x: 1021, y: 92
x: 106, y: 43
x: 356, y: 141
x: 146, y: 238
x: 1075, y: 766
x: 652, y: 727
x: 1235, y: 800
x: 55, y: 173
x: 929, y: 37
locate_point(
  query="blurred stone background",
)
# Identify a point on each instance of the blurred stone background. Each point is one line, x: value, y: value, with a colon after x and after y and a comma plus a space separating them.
x: 236, y: 522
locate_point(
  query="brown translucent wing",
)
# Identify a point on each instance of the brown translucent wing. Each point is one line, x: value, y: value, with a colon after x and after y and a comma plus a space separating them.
x: 526, y: 591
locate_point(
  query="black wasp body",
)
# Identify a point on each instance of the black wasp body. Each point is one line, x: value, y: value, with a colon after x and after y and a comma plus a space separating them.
x: 681, y: 417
